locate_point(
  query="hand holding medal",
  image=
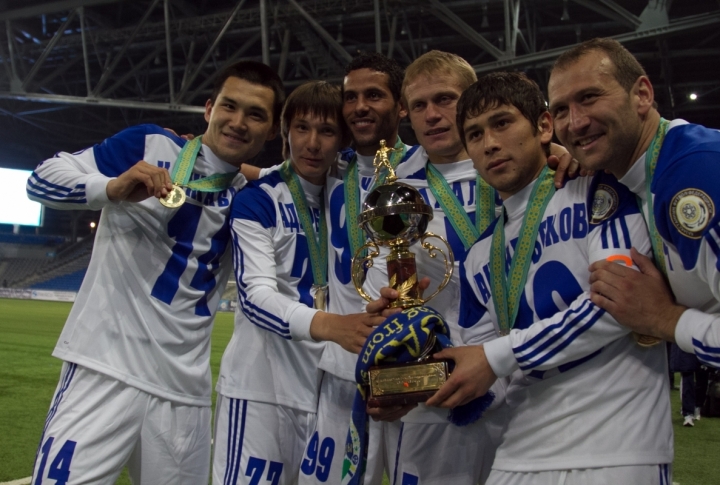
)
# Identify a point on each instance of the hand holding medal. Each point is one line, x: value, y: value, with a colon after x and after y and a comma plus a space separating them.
x: 181, y: 177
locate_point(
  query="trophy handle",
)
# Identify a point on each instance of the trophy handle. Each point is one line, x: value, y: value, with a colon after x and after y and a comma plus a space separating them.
x: 447, y: 256
x: 359, y: 265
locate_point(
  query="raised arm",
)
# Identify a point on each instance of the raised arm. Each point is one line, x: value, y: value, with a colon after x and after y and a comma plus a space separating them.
x: 110, y: 171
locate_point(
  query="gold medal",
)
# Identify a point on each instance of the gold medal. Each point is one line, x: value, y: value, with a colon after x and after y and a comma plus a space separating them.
x: 646, y: 340
x: 320, y: 298
x: 174, y: 199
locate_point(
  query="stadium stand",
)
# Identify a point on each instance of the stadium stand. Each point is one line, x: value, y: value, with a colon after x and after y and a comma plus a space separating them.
x: 65, y: 282
x: 49, y: 265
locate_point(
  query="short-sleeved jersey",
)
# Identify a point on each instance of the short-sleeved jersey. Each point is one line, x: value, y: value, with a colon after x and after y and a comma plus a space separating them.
x: 344, y: 298
x: 144, y: 312
x: 271, y: 357
x: 582, y: 394
x: 686, y: 205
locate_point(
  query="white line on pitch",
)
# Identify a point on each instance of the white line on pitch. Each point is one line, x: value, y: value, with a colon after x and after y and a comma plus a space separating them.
x: 21, y: 481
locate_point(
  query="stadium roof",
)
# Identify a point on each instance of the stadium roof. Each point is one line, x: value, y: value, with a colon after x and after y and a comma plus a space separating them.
x: 76, y: 71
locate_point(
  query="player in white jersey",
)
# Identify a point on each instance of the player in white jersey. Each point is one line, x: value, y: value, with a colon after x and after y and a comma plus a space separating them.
x: 135, y: 386
x: 586, y: 403
x: 269, y: 378
x: 676, y: 180
x: 372, y: 111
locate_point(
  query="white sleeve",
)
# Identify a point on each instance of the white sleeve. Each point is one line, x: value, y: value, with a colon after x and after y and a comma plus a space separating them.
x: 258, y: 286
x: 583, y: 328
x: 699, y: 333
x: 69, y: 181
x: 566, y: 337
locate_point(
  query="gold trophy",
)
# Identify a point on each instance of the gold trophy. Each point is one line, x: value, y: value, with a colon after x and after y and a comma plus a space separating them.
x: 395, y: 215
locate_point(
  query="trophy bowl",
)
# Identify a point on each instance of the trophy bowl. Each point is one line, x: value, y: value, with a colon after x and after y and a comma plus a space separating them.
x: 395, y: 212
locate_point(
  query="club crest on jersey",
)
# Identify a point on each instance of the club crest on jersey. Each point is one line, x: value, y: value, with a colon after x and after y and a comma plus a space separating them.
x: 605, y: 203
x: 691, y: 210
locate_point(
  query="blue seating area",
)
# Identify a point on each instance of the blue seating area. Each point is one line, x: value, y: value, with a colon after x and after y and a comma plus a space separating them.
x: 68, y: 282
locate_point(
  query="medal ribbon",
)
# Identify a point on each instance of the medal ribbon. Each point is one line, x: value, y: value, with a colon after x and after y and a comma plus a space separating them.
x: 318, y: 249
x: 183, y: 169
x: 484, y: 206
x: 507, y: 289
x: 351, y: 182
x: 651, y: 158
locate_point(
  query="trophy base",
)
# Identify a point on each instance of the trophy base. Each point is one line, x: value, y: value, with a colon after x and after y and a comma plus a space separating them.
x: 402, y: 384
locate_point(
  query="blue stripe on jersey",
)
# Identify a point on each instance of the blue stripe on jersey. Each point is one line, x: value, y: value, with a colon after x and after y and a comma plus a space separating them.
x: 54, y: 192
x: 254, y: 204
x: 256, y: 315
x: 705, y: 348
x: 50, y: 185
x: 551, y: 328
x: 548, y: 336
x: 397, y: 453
x: 603, y: 236
x: 117, y: 154
x: 614, y: 233
x: 706, y: 354
x: 625, y: 232
x: 548, y: 355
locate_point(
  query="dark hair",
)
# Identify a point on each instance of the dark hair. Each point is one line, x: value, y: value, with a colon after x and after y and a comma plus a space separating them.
x: 256, y: 73
x: 380, y: 63
x: 313, y: 98
x: 497, y: 89
x: 627, y: 68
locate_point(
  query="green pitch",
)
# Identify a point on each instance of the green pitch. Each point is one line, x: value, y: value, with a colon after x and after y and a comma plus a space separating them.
x: 28, y: 376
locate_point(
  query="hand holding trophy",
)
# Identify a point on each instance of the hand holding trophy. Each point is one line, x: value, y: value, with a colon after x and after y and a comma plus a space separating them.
x: 395, y: 215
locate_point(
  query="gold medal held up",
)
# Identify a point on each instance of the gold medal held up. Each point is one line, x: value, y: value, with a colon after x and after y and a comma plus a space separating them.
x: 175, y: 198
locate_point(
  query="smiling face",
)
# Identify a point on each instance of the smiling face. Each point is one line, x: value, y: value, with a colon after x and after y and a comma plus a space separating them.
x: 240, y: 121
x: 599, y: 122
x: 369, y: 109
x: 505, y: 147
x: 431, y: 102
x: 314, y: 143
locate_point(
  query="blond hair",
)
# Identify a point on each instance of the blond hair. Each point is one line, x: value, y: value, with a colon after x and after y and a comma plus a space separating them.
x: 439, y: 62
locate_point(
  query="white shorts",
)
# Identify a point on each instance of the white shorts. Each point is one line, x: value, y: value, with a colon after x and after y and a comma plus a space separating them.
x: 96, y: 425
x: 438, y: 454
x: 323, y: 457
x: 619, y: 475
x: 382, y: 450
x: 258, y: 442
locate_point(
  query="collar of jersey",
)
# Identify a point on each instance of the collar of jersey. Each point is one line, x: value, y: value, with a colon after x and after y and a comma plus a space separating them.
x: 516, y: 204
x: 460, y: 170
x: 213, y: 164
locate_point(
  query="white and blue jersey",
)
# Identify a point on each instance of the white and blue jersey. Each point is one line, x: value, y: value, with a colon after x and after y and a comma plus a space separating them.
x: 686, y: 203
x: 582, y: 393
x: 145, y: 309
x: 344, y: 298
x: 271, y: 357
